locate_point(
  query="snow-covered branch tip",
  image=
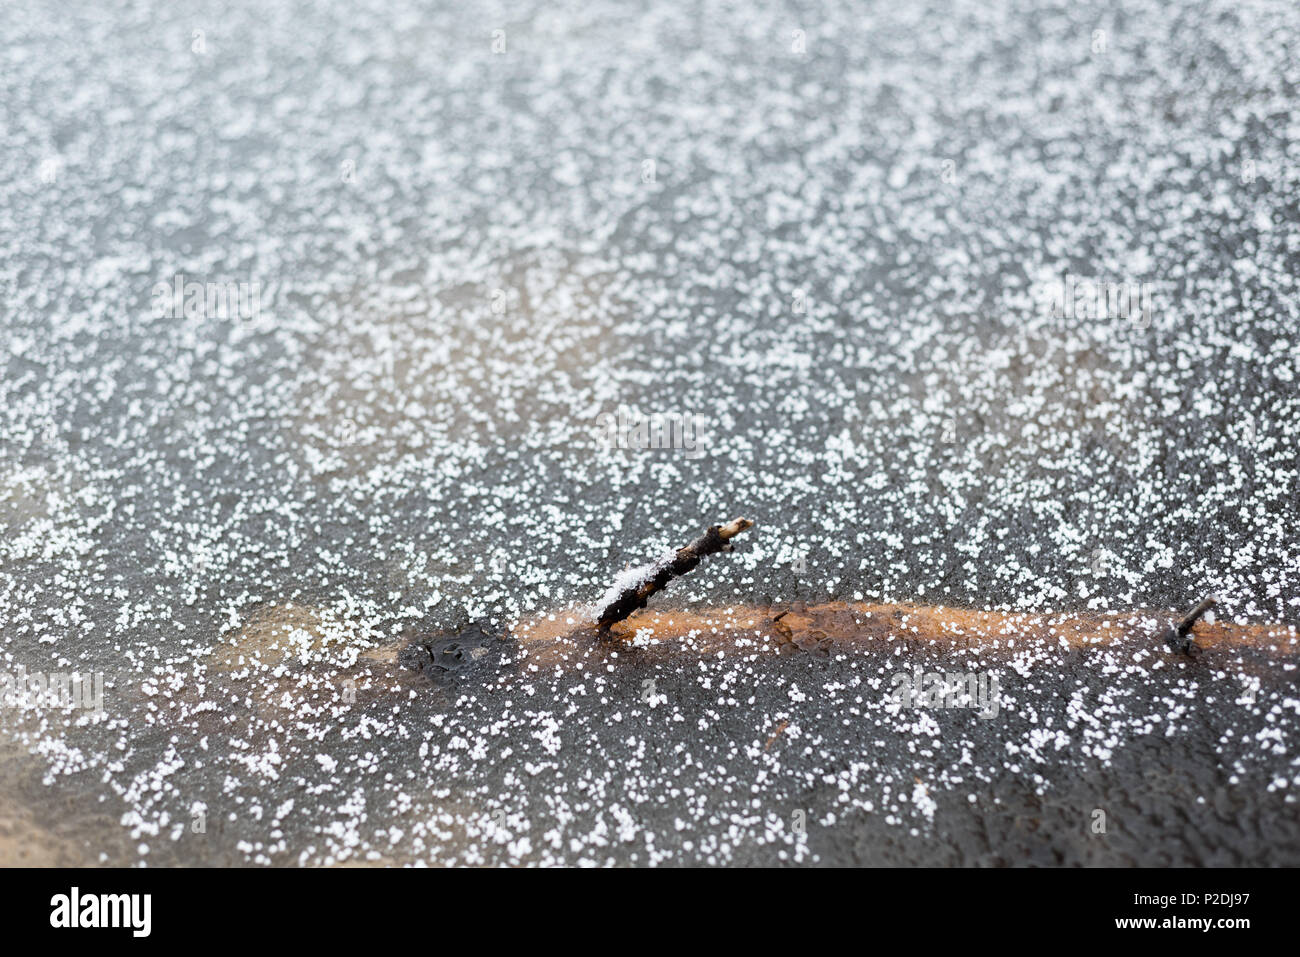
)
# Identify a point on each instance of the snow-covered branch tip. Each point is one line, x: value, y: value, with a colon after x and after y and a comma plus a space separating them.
x: 633, y: 588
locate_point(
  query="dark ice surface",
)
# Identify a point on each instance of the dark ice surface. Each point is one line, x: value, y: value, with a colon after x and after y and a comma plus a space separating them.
x: 856, y: 247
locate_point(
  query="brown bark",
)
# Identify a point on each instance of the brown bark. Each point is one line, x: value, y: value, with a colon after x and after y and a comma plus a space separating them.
x: 559, y: 637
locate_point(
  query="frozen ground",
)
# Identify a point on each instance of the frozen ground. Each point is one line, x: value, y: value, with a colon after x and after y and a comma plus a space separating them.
x: 830, y: 231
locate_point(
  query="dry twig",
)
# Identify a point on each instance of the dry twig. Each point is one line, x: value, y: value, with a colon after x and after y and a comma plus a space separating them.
x: 628, y: 596
x: 1178, y: 636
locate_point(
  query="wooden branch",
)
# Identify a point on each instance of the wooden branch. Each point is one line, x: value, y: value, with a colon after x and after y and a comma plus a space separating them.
x: 556, y: 638
x: 633, y: 590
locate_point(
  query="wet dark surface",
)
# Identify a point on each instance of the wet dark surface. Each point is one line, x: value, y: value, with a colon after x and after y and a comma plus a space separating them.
x: 830, y: 232
x: 1136, y: 759
x: 472, y: 654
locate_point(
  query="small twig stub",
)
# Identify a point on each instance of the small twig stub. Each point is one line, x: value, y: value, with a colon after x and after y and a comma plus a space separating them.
x: 1178, y: 636
x: 632, y: 592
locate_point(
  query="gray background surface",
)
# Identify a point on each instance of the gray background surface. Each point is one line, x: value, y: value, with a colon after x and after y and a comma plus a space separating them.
x: 824, y: 228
